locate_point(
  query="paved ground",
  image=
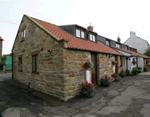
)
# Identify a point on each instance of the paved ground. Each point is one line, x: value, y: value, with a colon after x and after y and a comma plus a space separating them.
x: 128, y: 98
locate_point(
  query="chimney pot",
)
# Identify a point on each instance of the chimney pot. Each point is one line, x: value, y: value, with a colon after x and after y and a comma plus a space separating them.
x: 118, y: 39
x: 90, y: 28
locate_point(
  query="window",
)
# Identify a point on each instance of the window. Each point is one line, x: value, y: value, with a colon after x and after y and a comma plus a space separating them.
x: 118, y: 45
x: 92, y: 37
x: 80, y: 33
x: 77, y: 33
x: 20, y: 64
x: 107, y: 42
x: 23, y: 33
x: 35, y: 63
x: 126, y: 47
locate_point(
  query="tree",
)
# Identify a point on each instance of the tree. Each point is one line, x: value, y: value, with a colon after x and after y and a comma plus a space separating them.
x: 147, y: 52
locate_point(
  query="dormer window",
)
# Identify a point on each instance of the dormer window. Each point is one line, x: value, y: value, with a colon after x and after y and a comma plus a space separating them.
x: 92, y: 37
x: 107, y: 42
x: 118, y: 45
x: 80, y: 33
x: 23, y: 33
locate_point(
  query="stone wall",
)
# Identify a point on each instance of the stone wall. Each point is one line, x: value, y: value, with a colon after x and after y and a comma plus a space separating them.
x: 74, y: 72
x: 105, y: 65
x: 50, y: 79
x: 61, y: 72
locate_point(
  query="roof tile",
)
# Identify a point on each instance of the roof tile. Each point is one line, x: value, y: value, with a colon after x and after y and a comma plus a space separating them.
x: 75, y: 43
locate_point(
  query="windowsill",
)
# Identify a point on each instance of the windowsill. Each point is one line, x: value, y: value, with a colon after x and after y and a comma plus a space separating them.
x: 22, y: 39
x: 80, y: 37
x: 35, y: 72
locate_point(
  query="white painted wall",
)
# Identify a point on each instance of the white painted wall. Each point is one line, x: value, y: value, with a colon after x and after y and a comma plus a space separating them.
x: 130, y: 64
x: 136, y: 42
x: 141, y: 62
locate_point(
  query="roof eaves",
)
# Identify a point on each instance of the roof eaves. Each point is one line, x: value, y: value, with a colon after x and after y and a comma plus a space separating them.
x: 43, y: 28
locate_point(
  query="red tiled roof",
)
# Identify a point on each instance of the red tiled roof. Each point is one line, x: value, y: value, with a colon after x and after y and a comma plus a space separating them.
x: 74, y: 43
x: 133, y: 53
x: 1, y: 39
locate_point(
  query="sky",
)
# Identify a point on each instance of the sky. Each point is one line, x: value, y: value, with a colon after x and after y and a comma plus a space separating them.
x: 110, y: 18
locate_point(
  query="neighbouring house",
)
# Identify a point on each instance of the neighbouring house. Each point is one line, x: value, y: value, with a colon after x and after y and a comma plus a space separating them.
x: 130, y: 58
x: 7, y: 60
x: 136, y: 42
x: 52, y: 58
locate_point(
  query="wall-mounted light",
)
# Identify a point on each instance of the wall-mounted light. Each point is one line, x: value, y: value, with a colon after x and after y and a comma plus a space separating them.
x: 41, y: 49
x: 49, y: 51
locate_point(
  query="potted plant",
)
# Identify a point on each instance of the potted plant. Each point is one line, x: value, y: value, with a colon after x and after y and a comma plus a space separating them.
x: 134, y: 71
x: 88, y: 64
x: 139, y: 69
x: 116, y: 77
x: 122, y: 74
x: 113, y: 62
x: 105, y: 81
x: 87, y: 89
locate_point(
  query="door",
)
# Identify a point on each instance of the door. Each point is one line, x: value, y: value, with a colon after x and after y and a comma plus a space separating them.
x: 94, y: 68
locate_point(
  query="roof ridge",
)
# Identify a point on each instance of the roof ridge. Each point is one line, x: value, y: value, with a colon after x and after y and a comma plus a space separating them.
x: 74, y: 42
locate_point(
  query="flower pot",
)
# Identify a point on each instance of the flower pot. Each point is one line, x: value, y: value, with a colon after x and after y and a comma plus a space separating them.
x: 105, y: 82
x: 87, y: 93
x: 117, y: 79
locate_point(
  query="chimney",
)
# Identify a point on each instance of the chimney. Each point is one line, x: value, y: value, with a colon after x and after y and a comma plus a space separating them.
x: 90, y: 28
x: 119, y: 40
x: 133, y: 34
x: 1, y: 41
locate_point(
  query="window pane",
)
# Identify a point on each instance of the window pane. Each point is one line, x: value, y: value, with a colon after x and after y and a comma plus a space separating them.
x: 33, y: 63
x: 107, y: 43
x: 82, y: 34
x: 36, y: 65
x: 24, y: 33
x: 20, y: 64
x: 117, y: 45
x: 77, y: 33
x: 93, y: 38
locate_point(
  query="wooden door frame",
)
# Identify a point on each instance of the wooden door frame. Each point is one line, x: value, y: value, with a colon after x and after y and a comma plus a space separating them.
x: 96, y: 67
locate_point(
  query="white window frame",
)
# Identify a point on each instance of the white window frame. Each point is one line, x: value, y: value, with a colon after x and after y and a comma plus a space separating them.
x: 117, y: 45
x: 23, y: 33
x: 78, y: 33
x: 82, y: 34
x: 92, y: 37
x: 107, y: 43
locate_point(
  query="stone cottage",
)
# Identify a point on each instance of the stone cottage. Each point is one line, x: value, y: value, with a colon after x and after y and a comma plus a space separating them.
x: 50, y: 58
x: 130, y: 54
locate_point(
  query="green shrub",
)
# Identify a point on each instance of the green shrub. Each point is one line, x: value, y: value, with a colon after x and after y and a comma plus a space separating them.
x: 139, y: 69
x: 145, y: 69
x: 115, y: 75
x: 135, y: 70
x: 122, y: 74
x: 128, y: 73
